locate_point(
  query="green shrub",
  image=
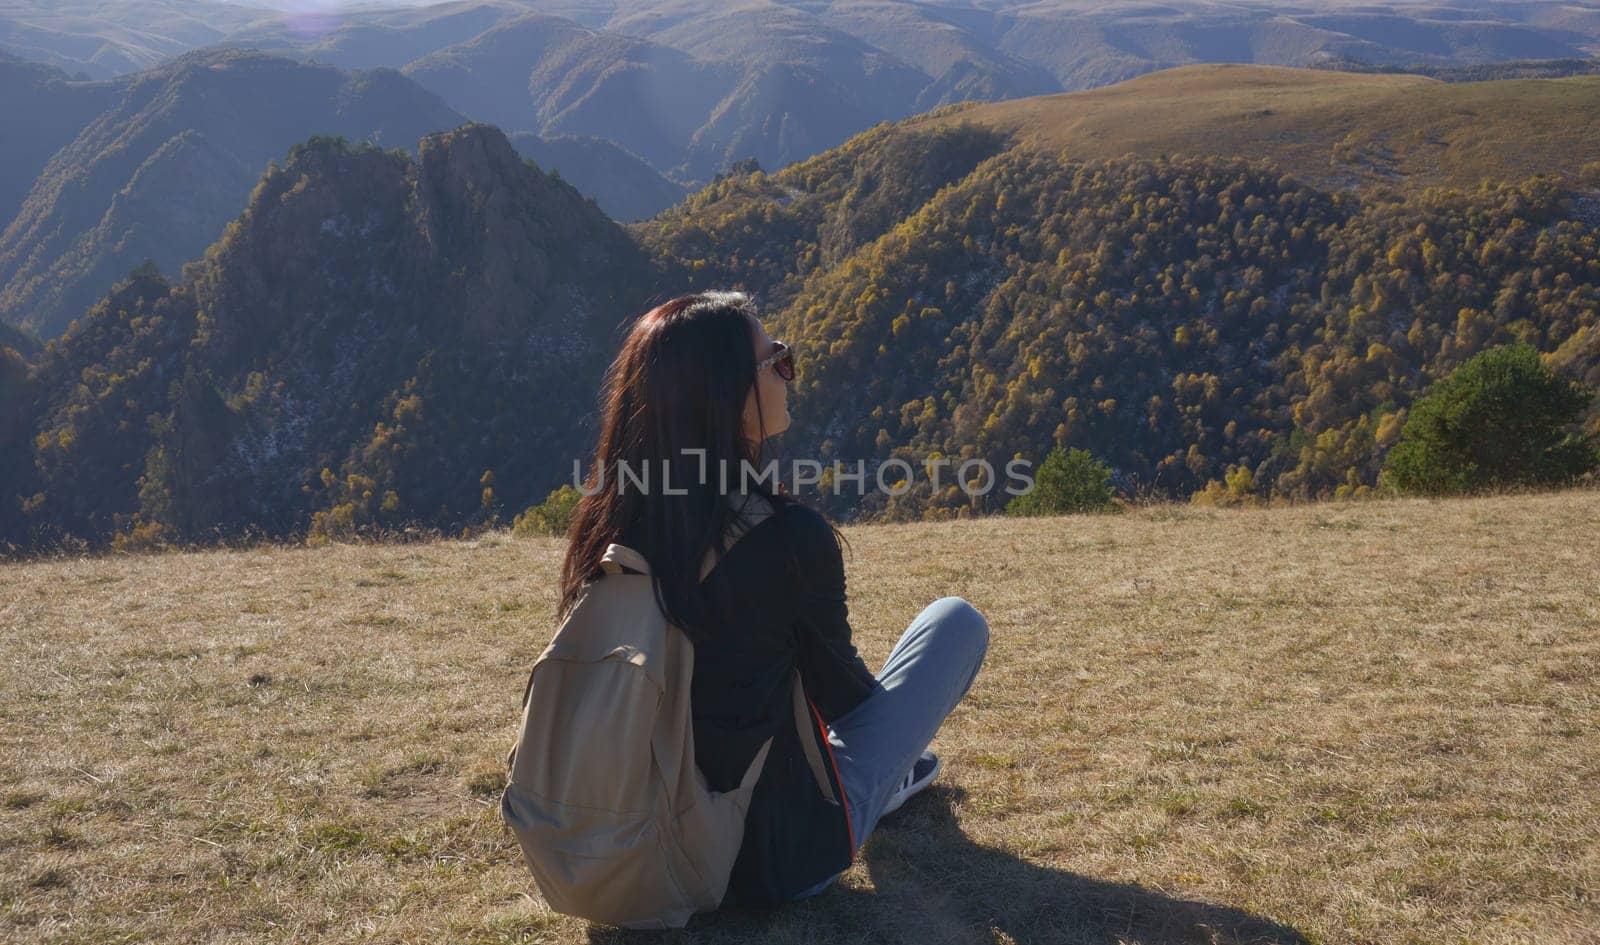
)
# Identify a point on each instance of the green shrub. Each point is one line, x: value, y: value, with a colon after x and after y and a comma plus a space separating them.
x: 550, y: 517
x: 1502, y: 418
x: 1067, y: 481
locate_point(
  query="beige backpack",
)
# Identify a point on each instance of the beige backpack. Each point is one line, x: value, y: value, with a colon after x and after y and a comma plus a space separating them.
x: 614, y: 819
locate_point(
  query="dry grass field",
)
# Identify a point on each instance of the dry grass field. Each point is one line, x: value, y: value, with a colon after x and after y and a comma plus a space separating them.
x: 1370, y: 722
x: 1332, y: 128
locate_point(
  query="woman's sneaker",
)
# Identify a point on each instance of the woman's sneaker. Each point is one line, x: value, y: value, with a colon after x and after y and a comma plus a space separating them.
x: 920, y: 776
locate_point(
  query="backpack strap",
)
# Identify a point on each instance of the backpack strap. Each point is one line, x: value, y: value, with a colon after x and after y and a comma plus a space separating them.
x: 803, y: 725
x: 751, y: 508
x: 617, y: 557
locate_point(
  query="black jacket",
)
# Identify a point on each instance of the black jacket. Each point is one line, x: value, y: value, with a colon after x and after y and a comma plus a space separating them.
x: 781, y: 591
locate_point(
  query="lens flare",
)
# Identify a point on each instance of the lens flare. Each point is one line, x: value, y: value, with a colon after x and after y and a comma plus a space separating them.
x: 312, y: 19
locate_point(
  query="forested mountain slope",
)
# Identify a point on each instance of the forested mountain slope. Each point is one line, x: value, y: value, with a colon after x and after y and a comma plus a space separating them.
x: 376, y: 340
x: 978, y: 291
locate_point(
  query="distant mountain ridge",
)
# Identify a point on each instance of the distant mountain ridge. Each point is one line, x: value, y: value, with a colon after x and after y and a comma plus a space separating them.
x: 687, y: 116
x: 1480, y: 72
x: 171, y: 160
x: 97, y: 39
x: 696, y: 85
x: 626, y: 187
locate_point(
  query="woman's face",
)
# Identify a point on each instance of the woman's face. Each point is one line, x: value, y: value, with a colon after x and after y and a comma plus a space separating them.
x: 774, y: 410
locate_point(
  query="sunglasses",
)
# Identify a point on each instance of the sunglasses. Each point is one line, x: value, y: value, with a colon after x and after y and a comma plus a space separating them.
x: 781, y: 360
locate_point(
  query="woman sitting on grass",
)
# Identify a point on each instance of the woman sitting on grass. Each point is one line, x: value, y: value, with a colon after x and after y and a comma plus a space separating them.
x: 698, y: 388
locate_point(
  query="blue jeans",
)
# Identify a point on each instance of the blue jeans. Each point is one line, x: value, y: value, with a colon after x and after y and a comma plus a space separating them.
x: 876, y: 743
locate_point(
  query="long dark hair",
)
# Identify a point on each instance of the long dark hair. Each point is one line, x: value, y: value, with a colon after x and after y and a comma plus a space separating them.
x: 678, y: 384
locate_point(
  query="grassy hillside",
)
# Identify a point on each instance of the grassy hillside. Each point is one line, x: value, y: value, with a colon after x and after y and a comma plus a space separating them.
x: 1331, y: 128
x: 1328, y: 723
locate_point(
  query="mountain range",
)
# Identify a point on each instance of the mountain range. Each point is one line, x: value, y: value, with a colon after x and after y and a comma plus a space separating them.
x: 168, y: 159
x: 694, y: 85
x: 98, y: 175
x: 382, y: 342
x: 155, y: 145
